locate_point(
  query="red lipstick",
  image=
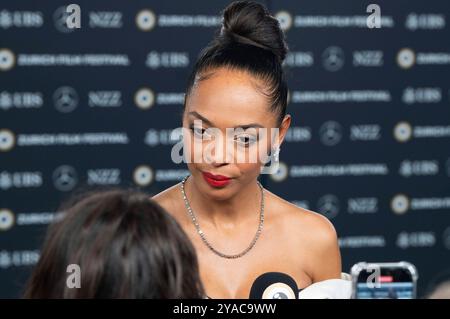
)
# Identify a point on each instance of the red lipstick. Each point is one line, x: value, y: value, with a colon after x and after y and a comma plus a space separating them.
x: 216, y: 180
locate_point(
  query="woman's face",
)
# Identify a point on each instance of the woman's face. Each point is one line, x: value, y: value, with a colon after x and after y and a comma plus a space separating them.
x: 229, y: 130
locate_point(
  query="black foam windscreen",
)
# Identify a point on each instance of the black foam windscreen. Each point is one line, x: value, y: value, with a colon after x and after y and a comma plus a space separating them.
x: 274, y: 285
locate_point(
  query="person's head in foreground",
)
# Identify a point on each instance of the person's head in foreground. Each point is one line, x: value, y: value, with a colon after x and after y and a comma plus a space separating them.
x: 126, y: 246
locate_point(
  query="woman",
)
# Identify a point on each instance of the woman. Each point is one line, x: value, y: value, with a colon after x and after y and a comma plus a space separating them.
x: 120, y: 245
x: 239, y: 229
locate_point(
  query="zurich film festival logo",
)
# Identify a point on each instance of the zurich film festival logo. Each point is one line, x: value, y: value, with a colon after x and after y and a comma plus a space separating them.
x: 7, y: 59
x: 284, y: 19
x: 281, y: 173
x: 400, y: 204
x: 146, y: 20
x: 143, y: 175
x: 373, y: 20
x: 7, y: 219
x: 144, y: 98
x: 65, y: 99
x: 7, y: 140
x: 403, y: 132
x: 406, y: 58
x: 67, y: 18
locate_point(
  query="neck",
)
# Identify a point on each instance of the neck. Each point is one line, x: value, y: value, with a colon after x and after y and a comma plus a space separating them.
x: 244, y: 205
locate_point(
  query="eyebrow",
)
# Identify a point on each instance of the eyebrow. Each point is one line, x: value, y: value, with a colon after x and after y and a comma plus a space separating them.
x: 204, y: 119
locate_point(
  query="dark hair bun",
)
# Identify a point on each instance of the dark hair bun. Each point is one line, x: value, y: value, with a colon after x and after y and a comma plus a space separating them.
x: 250, y: 23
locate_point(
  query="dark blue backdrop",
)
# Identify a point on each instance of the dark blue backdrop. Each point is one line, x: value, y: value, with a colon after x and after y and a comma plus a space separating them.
x: 369, y: 145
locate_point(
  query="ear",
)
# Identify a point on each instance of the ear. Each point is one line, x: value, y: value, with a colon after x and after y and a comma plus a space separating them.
x: 285, y: 124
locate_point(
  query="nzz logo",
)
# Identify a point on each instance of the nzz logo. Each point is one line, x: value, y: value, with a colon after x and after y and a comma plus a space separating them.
x: 68, y: 18
x: 105, y: 98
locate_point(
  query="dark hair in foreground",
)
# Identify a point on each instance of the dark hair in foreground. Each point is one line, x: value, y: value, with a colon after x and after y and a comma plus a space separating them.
x: 126, y: 245
x: 249, y: 40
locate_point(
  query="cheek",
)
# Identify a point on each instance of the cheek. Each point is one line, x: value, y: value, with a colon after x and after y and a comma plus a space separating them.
x: 189, y: 148
x: 254, y: 158
x: 249, y: 169
x: 248, y: 172
x: 264, y: 147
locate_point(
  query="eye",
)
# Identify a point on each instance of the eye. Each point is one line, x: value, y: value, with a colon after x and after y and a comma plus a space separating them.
x: 245, y: 140
x: 199, y: 132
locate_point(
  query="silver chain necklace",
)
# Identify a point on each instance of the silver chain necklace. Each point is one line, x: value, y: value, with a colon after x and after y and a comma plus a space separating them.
x: 202, y: 235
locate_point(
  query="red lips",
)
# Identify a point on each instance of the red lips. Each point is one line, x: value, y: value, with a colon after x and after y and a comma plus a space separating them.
x: 216, y: 180
x: 216, y: 177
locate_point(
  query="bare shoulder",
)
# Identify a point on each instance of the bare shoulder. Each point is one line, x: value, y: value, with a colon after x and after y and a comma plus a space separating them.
x: 311, y: 232
x: 296, y: 218
x: 168, y: 199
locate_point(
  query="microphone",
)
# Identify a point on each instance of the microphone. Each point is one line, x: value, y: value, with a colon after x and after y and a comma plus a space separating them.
x: 274, y: 285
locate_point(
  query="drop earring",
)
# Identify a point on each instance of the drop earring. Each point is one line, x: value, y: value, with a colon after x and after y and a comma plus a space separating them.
x: 276, y: 155
x: 274, y: 162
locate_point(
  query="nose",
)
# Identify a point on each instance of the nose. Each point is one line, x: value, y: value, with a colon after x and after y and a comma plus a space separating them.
x: 219, y: 151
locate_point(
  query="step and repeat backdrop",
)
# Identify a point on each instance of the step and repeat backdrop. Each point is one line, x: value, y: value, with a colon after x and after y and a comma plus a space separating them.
x: 96, y: 106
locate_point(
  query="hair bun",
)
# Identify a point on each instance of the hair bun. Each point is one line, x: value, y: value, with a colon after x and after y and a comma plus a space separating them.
x: 250, y: 23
